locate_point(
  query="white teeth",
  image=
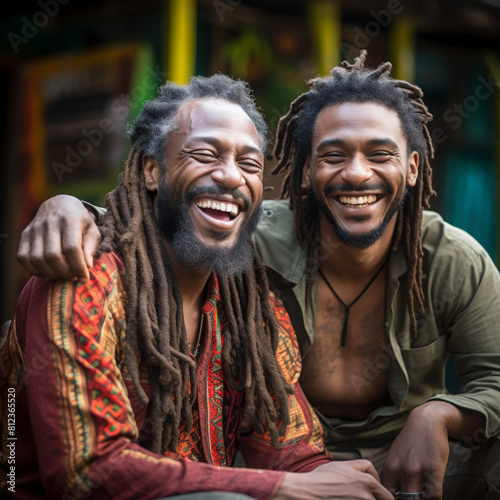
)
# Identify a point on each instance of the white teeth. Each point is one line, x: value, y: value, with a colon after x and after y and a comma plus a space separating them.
x: 231, y: 208
x: 358, y: 200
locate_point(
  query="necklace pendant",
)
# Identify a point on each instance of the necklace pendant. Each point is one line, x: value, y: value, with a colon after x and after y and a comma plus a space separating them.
x: 343, y: 340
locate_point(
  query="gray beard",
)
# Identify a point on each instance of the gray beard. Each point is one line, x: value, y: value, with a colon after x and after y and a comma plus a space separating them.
x: 177, y: 227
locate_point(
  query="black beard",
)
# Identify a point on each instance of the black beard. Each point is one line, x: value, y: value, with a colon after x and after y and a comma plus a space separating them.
x: 177, y: 227
x: 367, y: 239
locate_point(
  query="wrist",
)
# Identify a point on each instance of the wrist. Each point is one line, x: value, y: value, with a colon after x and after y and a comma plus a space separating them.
x: 93, y: 212
x: 456, y: 422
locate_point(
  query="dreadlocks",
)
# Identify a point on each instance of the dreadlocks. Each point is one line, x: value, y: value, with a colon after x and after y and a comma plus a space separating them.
x: 155, y: 329
x: 355, y: 83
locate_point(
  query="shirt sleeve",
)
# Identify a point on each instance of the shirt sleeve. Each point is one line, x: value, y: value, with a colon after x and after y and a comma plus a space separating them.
x: 301, y: 448
x: 471, y: 301
x: 98, y: 212
x: 81, y: 417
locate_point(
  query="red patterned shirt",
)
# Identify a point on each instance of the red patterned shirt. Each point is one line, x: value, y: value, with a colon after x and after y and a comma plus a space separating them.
x: 78, y: 419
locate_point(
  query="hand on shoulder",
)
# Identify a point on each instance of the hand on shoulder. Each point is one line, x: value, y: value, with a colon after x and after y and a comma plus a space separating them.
x: 60, y: 241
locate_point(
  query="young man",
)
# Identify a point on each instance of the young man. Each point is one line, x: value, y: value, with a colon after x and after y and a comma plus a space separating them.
x: 147, y: 379
x: 380, y: 291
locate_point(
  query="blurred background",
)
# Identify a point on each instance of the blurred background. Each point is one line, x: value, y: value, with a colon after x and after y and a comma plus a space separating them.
x: 74, y: 73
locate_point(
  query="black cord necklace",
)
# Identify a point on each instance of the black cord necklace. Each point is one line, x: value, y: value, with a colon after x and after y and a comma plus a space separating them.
x: 347, y: 308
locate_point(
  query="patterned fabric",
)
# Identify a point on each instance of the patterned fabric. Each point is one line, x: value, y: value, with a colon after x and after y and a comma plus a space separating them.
x: 79, y: 421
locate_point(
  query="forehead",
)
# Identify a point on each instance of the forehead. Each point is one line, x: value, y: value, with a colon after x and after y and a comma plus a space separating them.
x: 213, y: 118
x: 358, y: 121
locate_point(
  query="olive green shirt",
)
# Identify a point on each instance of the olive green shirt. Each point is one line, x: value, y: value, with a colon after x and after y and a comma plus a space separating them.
x: 462, y: 319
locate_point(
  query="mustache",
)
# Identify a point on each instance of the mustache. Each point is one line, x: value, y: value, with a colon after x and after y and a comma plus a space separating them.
x: 349, y: 188
x: 218, y: 191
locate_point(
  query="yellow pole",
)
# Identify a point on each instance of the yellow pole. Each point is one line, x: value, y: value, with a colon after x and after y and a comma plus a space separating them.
x: 326, y: 30
x: 403, y: 48
x: 180, y: 39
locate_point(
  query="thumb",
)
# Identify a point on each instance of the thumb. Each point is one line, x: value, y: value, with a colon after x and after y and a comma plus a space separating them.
x: 90, y: 242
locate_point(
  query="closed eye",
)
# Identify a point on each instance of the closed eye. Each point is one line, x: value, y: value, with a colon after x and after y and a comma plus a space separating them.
x: 250, y: 164
x: 381, y: 156
x: 203, y: 156
x: 333, y: 156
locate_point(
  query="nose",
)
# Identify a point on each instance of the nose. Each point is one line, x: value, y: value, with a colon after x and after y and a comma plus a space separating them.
x: 357, y: 171
x: 228, y: 174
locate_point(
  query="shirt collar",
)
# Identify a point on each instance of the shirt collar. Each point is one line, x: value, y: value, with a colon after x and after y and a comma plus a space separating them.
x: 213, y: 293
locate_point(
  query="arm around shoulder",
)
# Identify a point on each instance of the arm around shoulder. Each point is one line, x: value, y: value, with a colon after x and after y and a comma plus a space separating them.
x: 60, y: 241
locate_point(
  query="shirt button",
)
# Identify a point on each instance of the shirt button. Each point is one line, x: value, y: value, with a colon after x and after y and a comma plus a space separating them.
x: 268, y: 212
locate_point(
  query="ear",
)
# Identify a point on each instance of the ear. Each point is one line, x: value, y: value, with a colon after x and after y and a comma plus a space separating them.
x: 152, y: 173
x: 412, y: 174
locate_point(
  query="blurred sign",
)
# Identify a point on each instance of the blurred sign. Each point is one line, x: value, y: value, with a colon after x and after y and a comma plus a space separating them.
x: 76, y: 108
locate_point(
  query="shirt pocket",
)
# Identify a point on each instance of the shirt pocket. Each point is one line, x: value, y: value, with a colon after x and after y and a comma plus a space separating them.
x: 425, y: 368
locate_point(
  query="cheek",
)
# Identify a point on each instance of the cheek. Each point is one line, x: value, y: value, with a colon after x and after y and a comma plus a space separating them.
x: 174, y: 187
x: 320, y: 179
x: 182, y: 179
x: 256, y: 188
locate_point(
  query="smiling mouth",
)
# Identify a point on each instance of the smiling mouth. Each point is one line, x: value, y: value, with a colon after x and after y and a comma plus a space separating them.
x: 358, y: 201
x: 220, y: 210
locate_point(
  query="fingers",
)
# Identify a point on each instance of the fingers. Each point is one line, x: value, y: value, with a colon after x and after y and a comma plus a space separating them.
x: 40, y: 253
x: 379, y: 492
x: 382, y: 493
x: 431, y: 482
x: 51, y: 246
x: 24, y: 253
x: 74, y: 265
x: 364, y: 466
x: 79, y: 244
x: 63, y: 253
x: 91, y: 240
x: 415, y: 481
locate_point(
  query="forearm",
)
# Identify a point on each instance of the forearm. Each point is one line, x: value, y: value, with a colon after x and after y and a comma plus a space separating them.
x: 93, y: 454
x: 135, y: 473
x: 461, y: 424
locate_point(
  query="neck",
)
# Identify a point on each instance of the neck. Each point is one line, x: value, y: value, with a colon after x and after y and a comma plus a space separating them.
x: 349, y: 262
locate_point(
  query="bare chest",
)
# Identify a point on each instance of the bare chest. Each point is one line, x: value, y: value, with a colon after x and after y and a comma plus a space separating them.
x: 350, y: 380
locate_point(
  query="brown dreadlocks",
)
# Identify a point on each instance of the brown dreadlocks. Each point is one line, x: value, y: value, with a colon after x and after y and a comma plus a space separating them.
x: 355, y: 83
x: 155, y: 329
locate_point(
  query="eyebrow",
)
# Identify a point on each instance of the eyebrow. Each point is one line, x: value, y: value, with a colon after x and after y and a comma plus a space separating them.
x: 217, y: 143
x: 330, y: 142
x: 383, y: 141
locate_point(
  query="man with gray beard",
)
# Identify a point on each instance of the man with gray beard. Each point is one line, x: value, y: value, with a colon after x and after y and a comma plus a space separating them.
x: 145, y: 380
